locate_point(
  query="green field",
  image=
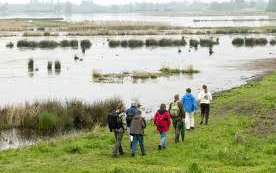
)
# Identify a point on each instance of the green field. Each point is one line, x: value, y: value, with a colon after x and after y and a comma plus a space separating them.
x: 240, y: 138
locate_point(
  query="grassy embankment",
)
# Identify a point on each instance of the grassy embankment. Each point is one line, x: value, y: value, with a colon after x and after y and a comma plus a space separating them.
x: 55, y: 27
x: 240, y: 138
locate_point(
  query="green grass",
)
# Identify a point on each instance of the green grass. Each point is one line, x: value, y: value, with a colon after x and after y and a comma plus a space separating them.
x: 212, y: 148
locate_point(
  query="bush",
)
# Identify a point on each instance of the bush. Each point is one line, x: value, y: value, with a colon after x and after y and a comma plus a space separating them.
x: 165, y: 42
x: 64, y: 43
x: 272, y: 42
x: 238, y: 42
x: 86, y: 44
x: 114, y: 43
x: 152, y: 42
x: 57, y: 65
x: 135, y: 43
x: 50, y: 65
x: 194, y: 43
x: 31, y: 65
x: 48, y: 122
x: 208, y: 42
x: 47, y: 44
x: 74, y: 43
x: 250, y: 42
x: 27, y: 44
x: 124, y: 43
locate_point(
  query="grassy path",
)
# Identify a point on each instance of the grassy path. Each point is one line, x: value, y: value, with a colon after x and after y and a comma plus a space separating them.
x: 240, y: 138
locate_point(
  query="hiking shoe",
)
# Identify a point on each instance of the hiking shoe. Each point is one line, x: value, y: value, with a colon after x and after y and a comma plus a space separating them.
x: 201, y: 122
x: 159, y: 147
x: 192, y: 128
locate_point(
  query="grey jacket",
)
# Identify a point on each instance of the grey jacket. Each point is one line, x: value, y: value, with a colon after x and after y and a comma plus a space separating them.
x: 137, y: 126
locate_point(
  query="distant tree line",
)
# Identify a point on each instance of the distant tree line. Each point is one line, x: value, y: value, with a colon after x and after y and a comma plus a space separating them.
x: 87, y: 6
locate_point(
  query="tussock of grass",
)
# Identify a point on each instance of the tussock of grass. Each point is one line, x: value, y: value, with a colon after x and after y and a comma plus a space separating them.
x: 165, y: 71
x: 250, y: 42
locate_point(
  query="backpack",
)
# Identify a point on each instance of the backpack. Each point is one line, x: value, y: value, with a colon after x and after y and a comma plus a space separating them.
x: 161, y: 120
x: 174, y: 111
x: 114, y: 121
x: 129, y: 116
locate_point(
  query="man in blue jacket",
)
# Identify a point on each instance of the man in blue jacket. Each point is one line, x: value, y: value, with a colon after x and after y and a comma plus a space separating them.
x: 190, y: 106
x: 130, y: 113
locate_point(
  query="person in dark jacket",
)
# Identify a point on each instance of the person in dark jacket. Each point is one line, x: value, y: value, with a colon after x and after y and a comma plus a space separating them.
x: 162, y: 120
x: 177, y: 114
x: 138, y: 124
x: 130, y: 113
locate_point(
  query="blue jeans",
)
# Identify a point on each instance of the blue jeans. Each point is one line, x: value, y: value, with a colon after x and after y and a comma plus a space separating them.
x: 163, y: 141
x: 136, y: 139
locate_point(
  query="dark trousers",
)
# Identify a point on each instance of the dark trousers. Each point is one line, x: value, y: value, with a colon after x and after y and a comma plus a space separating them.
x: 179, y: 127
x: 136, y: 139
x: 205, y: 110
x: 118, y: 144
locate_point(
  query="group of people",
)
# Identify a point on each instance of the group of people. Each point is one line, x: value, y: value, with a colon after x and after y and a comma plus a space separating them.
x: 180, y: 114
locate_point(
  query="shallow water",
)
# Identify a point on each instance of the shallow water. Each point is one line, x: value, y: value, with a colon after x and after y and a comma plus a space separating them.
x: 217, y: 71
x: 182, y: 20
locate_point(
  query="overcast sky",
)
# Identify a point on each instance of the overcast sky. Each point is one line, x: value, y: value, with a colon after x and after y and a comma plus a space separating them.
x: 106, y: 2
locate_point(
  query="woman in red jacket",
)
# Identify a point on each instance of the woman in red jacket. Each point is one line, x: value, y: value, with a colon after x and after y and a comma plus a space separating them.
x: 162, y: 120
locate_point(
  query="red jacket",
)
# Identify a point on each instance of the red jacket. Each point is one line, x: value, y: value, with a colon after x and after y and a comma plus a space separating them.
x: 162, y: 120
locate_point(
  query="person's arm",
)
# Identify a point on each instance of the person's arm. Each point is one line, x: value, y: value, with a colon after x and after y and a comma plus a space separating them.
x: 123, y: 118
x: 211, y: 97
x: 194, y: 103
x: 181, y: 110
x: 170, y: 107
x: 169, y: 118
x: 144, y: 123
x: 155, y: 117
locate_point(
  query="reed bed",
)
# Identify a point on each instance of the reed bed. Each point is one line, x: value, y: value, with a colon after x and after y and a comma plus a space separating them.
x: 52, y: 115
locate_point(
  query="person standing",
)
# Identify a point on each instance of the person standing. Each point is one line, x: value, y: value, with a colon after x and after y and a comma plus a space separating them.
x: 130, y: 113
x: 205, y: 98
x: 190, y: 106
x: 162, y: 120
x: 177, y: 115
x: 117, y: 124
x: 138, y: 124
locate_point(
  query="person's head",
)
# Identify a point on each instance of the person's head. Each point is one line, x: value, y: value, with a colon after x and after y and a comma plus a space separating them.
x: 205, y: 88
x: 134, y: 105
x: 121, y: 107
x: 163, y: 106
x: 188, y: 90
x: 176, y: 97
x: 139, y: 113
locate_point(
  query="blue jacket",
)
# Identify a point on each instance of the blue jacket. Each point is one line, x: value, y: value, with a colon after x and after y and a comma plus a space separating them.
x: 189, y: 103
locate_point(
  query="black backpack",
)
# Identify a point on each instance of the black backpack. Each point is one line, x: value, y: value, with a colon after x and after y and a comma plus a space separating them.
x: 129, y: 118
x: 114, y: 121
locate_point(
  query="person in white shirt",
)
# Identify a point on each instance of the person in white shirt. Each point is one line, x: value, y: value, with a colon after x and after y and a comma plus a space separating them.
x: 205, y: 98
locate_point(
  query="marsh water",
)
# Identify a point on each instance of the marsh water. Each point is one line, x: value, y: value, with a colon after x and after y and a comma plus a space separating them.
x: 220, y: 71
x: 185, y: 20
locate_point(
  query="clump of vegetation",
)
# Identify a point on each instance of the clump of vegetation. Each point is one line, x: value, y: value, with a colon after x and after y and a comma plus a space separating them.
x: 74, y: 43
x: 135, y: 43
x: 114, y: 43
x: 165, y: 71
x: 238, y: 42
x: 85, y: 44
x: 208, y: 42
x: 50, y: 66
x: 194, y: 43
x: 27, y: 44
x: 124, y: 43
x: 10, y: 45
x: 152, y: 42
x: 51, y: 115
x: 57, y: 66
x: 250, y: 42
x: 64, y: 43
x: 47, y: 34
x: 31, y: 65
x: 170, y: 42
x: 168, y: 71
x: 272, y: 42
x: 48, y: 44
